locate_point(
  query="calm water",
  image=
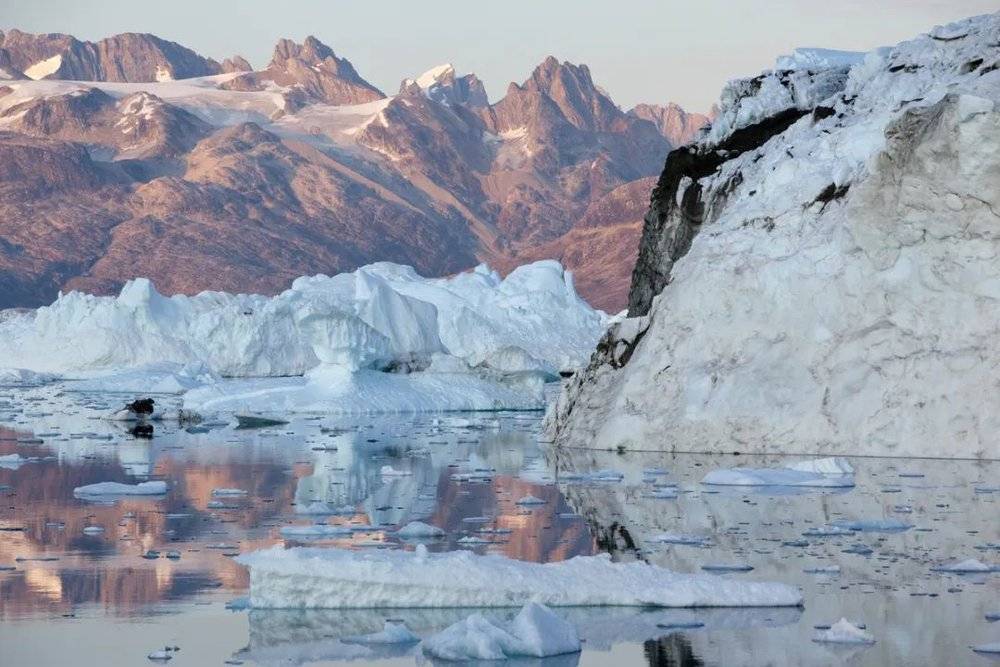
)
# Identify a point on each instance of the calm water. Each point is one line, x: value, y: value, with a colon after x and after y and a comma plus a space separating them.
x: 79, y: 598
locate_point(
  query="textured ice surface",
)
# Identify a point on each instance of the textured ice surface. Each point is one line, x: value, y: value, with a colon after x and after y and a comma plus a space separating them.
x: 157, y: 488
x: 333, y: 578
x: 775, y: 477
x: 535, y: 632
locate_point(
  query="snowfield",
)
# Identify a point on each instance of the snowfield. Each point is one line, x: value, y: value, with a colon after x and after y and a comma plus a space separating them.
x: 310, y: 578
x: 379, y: 339
x: 841, y: 294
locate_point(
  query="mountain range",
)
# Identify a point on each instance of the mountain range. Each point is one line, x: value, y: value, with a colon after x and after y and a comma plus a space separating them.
x: 135, y: 156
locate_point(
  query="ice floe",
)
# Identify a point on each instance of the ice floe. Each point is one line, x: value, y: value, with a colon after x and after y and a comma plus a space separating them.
x: 776, y: 477
x: 844, y: 632
x: 157, y: 488
x: 334, y: 578
x: 535, y: 632
x: 967, y: 566
x: 419, y: 530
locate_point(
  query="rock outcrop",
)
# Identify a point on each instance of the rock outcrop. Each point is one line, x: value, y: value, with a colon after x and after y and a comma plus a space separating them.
x: 678, y: 126
x: 818, y: 273
x: 313, y: 71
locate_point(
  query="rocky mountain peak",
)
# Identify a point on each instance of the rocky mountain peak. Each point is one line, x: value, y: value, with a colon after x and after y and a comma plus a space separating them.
x: 236, y: 64
x: 443, y: 85
x: 678, y: 126
x: 314, y: 73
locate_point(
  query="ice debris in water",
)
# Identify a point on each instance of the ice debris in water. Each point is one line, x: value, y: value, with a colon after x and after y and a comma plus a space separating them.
x: 987, y: 648
x: 873, y: 525
x: 775, y: 477
x: 535, y: 632
x: 530, y: 500
x: 419, y: 529
x: 156, y: 488
x: 336, y: 578
x: 970, y: 565
x: 844, y: 632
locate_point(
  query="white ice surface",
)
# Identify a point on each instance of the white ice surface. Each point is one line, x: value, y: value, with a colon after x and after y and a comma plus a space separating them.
x: 334, y: 578
x: 157, y: 488
x: 844, y: 632
x: 535, y: 632
x: 775, y: 477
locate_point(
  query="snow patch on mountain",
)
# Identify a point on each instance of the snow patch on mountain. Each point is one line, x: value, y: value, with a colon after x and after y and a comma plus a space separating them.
x: 43, y: 68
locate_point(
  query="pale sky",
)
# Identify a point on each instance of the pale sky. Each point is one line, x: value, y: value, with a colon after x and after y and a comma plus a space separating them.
x: 638, y: 50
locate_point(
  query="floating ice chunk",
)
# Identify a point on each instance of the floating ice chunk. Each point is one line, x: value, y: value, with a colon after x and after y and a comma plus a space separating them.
x: 678, y: 538
x: 663, y: 493
x: 392, y: 633
x: 157, y: 488
x: 336, y: 578
x: 833, y: 465
x: 419, y: 530
x: 162, y: 655
x: 13, y: 461
x: 993, y: 616
x: 535, y: 632
x: 987, y: 648
x: 873, y: 525
x: 21, y: 377
x: 389, y: 471
x: 844, y: 632
x: 530, y: 500
x: 314, y: 532
x: 775, y: 477
x: 970, y: 565
x: 827, y: 531
x: 727, y: 567
x: 93, y: 530
x: 228, y: 492
x: 822, y: 569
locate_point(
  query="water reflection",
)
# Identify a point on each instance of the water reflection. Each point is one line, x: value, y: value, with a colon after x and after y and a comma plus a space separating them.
x: 465, y: 474
x: 374, y: 475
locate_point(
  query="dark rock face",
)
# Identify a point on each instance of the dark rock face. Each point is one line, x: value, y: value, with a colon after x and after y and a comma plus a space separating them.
x: 128, y: 57
x: 670, y: 225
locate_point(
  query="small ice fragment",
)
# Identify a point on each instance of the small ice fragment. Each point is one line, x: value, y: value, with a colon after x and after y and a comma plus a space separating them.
x: 993, y: 616
x: 987, y: 648
x: 93, y: 530
x: 681, y: 625
x: 530, y: 500
x: 874, y: 525
x: 775, y: 477
x: 389, y: 471
x: 314, y: 531
x: 228, y: 492
x: 535, y: 632
x: 679, y: 538
x: 844, y: 632
x: 419, y: 530
x: 970, y: 565
x: 160, y: 656
x: 157, y: 488
x: 727, y: 567
x: 822, y: 569
x: 827, y: 531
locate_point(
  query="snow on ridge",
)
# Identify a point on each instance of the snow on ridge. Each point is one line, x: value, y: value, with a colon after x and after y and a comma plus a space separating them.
x: 43, y: 68
x: 816, y: 58
x: 311, y: 578
x: 432, y: 76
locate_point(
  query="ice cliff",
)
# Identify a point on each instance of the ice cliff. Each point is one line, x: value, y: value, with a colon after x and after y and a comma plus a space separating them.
x: 818, y: 272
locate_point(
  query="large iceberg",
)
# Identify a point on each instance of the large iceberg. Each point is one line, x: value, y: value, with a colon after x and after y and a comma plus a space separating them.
x: 381, y: 315
x: 379, y: 339
x: 818, y: 273
x: 312, y: 578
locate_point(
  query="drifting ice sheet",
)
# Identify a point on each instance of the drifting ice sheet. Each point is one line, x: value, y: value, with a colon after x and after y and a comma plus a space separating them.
x: 118, y: 489
x: 308, y: 578
x: 775, y: 477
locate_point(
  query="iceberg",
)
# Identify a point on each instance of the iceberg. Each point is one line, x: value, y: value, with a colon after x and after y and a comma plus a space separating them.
x: 535, y: 632
x: 312, y: 578
x: 381, y: 316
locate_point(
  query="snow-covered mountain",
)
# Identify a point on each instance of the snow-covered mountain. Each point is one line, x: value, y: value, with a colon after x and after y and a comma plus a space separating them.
x: 134, y: 156
x: 818, y: 272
